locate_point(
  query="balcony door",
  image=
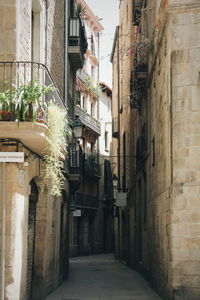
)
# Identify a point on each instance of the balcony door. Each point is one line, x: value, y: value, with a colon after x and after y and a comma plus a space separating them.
x: 33, y: 198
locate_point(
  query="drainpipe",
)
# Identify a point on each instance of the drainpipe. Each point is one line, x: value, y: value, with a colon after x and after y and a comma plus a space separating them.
x: 66, y: 54
x: 46, y: 29
x: 118, y: 85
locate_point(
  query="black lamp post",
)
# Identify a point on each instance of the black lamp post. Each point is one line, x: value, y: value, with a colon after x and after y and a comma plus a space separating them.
x: 115, y: 181
x: 78, y: 128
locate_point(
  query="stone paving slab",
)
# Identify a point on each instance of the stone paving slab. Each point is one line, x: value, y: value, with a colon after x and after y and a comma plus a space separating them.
x: 101, y: 277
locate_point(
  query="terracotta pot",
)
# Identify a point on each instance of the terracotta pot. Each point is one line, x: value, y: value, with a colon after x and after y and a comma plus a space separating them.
x: 41, y: 116
x: 6, y: 115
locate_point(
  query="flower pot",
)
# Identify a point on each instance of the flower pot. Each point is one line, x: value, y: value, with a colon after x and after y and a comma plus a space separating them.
x: 41, y: 118
x: 5, y: 115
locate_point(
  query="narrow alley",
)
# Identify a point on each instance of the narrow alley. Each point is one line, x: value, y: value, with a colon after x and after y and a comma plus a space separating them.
x: 101, y: 277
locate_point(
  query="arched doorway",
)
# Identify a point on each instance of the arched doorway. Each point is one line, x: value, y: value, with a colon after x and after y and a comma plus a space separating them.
x: 33, y: 198
x: 64, y: 233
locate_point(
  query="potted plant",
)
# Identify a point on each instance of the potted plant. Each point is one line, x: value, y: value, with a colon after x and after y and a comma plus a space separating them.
x: 79, y: 10
x: 29, y: 102
x: 7, y: 105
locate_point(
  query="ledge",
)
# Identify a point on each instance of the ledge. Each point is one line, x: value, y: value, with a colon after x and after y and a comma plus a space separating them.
x: 32, y: 134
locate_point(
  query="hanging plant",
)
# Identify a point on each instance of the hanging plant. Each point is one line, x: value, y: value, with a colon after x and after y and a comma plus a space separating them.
x: 79, y: 10
x: 58, y: 129
x: 143, y: 48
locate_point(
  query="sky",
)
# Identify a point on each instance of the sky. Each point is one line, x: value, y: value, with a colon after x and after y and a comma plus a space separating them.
x: 108, y: 10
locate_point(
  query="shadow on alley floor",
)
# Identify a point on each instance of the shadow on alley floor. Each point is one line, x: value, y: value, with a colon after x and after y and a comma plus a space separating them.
x: 101, y: 277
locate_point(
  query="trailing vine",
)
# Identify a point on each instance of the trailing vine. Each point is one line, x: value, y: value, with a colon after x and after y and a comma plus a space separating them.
x: 58, y: 129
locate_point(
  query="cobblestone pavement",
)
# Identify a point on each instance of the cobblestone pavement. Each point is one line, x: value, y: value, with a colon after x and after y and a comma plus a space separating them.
x: 101, y: 277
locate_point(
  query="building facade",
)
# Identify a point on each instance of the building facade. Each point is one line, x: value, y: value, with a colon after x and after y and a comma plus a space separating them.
x: 105, y: 212
x: 85, y: 157
x: 34, y: 215
x: 162, y: 213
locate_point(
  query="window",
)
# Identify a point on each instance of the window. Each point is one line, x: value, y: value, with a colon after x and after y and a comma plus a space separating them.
x: 36, y: 25
x: 124, y: 162
x: 106, y: 140
x: 92, y: 46
x: 153, y: 152
x: 84, y: 103
x: 92, y: 109
x: 92, y: 72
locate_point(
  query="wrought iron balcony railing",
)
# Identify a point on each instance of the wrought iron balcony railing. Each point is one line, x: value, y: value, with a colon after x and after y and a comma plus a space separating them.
x: 14, y: 74
x: 91, y: 168
x: 88, y: 120
x: 77, y: 41
x: 86, y: 201
x: 137, y: 6
x: 88, y: 81
x: 70, y: 108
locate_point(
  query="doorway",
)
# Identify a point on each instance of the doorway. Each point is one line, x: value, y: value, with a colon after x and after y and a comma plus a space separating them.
x: 33, y: 198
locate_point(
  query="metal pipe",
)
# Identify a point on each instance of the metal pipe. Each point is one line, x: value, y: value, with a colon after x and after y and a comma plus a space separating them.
x: 3, y: 229
x: 66, y: 54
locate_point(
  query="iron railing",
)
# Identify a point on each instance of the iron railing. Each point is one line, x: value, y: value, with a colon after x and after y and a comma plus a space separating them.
x: 88, y: 120
x: 86, y: 201
x: 137, y: 6
x: 70, y: 108
x: 88, y: 80
x: 91, y: 168
x: 77, y: 34
x: 14, y: 74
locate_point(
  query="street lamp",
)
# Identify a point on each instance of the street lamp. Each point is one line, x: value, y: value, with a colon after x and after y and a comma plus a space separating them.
x: 115, y: 181
x: 78, y: 128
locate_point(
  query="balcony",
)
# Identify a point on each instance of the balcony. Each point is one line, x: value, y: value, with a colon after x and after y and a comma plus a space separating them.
x: 86, y: 201
x: 77, y: 42
x: 70, y: 108
x: 115, y: 127
x: 91, y: 168
x: 33, y: 133
x: 76, y: 163
x: 137, y: 11
x: 92, y: 125
x: 89, y: 83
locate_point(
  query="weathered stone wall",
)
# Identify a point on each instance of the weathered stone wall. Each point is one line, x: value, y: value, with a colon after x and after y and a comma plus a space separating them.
x: 185, y: 206
x: 15, y: 44
x: 7, y: 30
x: 15, y: 29
x: 173, y: 106
x: 56, y: 42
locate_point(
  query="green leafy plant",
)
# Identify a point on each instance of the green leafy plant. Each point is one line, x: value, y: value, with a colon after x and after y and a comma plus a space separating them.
x: 79, y: 9
x: 7, y: 105
x: 58, y: 129
x: 143, y: 48
x: 29, y: 100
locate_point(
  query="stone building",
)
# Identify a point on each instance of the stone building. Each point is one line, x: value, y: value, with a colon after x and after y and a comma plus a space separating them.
x: 85, y: 156
x: 34, y: 218
x: 162, y: 215
x: 105, y: 211
x: 122, y: 125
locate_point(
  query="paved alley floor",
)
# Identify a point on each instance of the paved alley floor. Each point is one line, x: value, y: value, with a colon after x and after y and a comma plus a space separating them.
x: 101, y: 277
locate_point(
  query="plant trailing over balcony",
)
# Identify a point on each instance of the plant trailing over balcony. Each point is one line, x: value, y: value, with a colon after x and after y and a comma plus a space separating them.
x: 58, y: 129
x: 142, y: 50
x: 92, y: 85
